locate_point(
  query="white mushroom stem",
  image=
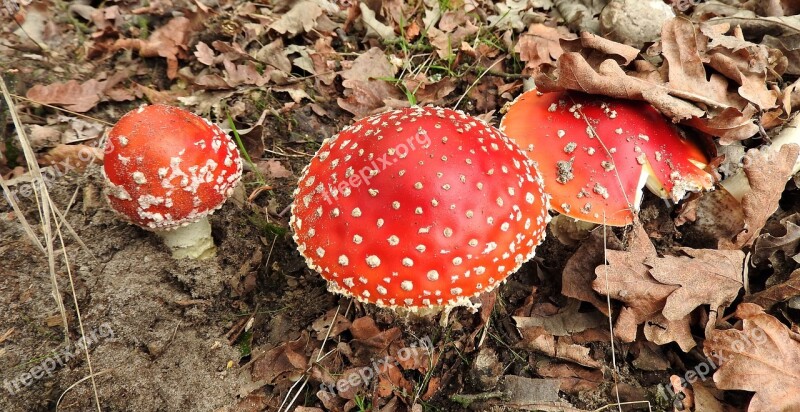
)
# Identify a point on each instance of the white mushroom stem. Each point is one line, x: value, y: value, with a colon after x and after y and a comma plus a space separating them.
x: 192, y: 241
x: 738, y: 185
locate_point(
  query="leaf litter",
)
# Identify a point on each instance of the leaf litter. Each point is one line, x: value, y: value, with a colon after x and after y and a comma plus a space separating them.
x: 291, y: 73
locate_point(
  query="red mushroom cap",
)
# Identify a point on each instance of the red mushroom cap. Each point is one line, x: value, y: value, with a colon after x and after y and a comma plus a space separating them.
x: 166, y: 167
x: 418, y: 207
x: 595, y: 153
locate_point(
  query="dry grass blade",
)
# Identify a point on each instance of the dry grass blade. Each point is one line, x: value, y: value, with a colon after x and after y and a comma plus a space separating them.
x: 320, y: 356
x: 48, y: 210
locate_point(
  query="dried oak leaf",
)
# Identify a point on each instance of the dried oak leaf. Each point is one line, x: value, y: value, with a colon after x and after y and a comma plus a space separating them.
x: 572, y: 378
x: 288, y: 358
x: 539, y: 45
x: 662, y: 291
x: 369, y: 342
x: 74, y: 96
x: 777, y: 293
x: 567, y: 322
x: 578, y: 274
x: 681, y: 90
x: 767, y: 172
x: 365, y: 92
x: 628, y: 280
x: 169, y: 41
x: 662, y: 331
x: 374, y: 27
x: 778, y: 244
x: 705, y: 276
x: 538, y: 339
x: 762, y: 357
x: 302, y: 17
x: 446, y: 42
x: 330, y: 325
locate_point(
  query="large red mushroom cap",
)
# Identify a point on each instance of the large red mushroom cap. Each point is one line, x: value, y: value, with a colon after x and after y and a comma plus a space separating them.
x: 166, y: 167
x: 418, y: 207
x: 596, y: 153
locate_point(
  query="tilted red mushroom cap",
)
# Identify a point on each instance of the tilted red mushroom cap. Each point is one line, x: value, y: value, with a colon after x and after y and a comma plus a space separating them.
x: 166, y: 167
x: 418, y: 207
x: 596, y: 153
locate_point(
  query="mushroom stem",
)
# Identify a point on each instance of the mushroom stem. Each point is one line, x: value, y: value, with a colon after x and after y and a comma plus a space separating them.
x: 738, y: 185
x: 192, y: 241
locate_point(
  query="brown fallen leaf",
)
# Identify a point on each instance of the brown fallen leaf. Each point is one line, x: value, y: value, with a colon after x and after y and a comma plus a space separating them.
x: 767, y: 173
x: 427, y: 91
x: 567, y: 322
x: 778, y: 244
x: 72, y: 95
x: 365, y: 91
x: 536, y: 338
x: 626, y: 278
x: 578, y: 274
x: 273, y: 168
x: 539, y: 45
x: 777, y: 293
x: 322, y: 326
x: 302, y: 17
x: 705, y: 276
x: 662, y: 291
x: 286, y: 359
x: 69, y: 157
x: 572, y: 378
x: 169, y: 41
x: 391, y: 380
x: 662, y: 331
x: 369, y: 342
x: 446, y: 42
x: 762, y: 355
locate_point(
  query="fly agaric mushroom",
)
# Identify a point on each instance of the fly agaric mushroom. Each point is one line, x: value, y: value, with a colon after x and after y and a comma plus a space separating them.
x: 166, y: 170
x: 601, y: 151
x: 418, y: 208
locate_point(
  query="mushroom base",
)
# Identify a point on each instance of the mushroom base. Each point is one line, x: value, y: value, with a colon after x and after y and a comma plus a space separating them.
x: 192, y: 241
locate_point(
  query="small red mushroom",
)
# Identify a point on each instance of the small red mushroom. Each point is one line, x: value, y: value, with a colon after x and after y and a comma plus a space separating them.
x: 596, y: 153
x: 166, y: 170
x: 417, y: 208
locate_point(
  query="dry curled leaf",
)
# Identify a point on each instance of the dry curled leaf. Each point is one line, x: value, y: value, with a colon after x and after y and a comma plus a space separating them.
x: 286, y: 359
x: 578, y: 274
x: 68, y: 157
x: 777, y: 293
x: 662, y: 291
x: 767, y: 172
x: 763, y: 356
x: 567, y: 322
x: 72, y: 95
x: 705, y: 276
x: 169, y: 41
x: 365, y: 90
x: 302, y: 17
x: 538, y: 339
x: 539, y: 45
x: 778, y: 244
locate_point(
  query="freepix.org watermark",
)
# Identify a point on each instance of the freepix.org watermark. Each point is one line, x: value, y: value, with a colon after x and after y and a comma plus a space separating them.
x: 58, y: 359
x: 423, y: 346
x: 56, y: 171
x: 355, y: 178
